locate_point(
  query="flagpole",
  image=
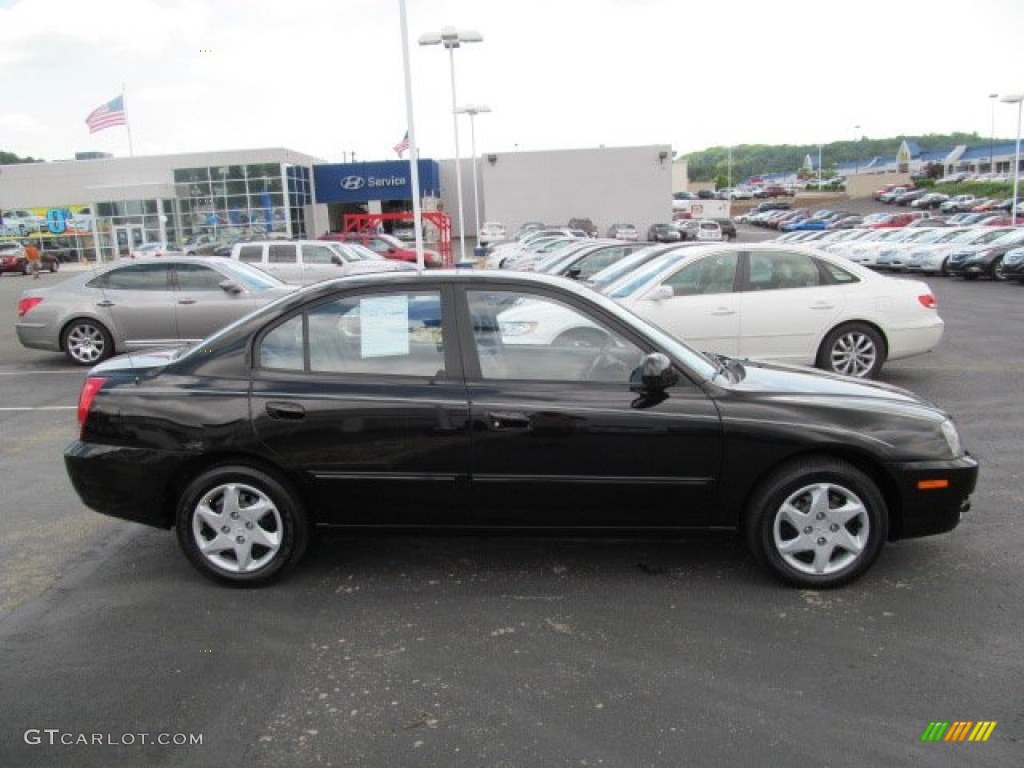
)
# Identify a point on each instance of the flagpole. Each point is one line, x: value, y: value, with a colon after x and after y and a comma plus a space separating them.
x: 414, y: 171
x: 127, y: 122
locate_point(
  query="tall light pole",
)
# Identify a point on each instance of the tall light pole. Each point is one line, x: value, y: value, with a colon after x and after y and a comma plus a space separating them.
x: 729, y: 178
x: 452, y: 38
x: 473, y: 110
x: 819, y: 167
x: 1018, y: 99
x: 992, y: 136
x: 856, y: 150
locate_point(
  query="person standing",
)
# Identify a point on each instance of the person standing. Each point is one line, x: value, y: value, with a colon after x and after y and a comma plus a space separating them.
x: 33, y: 257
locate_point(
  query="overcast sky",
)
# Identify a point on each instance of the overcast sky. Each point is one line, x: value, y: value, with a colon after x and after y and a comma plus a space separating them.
x: 325, y: 77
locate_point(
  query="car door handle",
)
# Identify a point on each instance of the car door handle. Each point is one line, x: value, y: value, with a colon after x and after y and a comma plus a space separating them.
x: 502, y: 420
x: 186, y: 301
x: 823, y: 305
x: 723, y: 311
x: 290, y: 411
x: 105, y: 303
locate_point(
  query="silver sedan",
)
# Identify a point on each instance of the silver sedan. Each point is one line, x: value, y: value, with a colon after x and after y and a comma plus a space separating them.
x: 139, y: 304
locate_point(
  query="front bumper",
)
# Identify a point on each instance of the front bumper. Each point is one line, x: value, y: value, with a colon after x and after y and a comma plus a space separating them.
x: 933, y: 495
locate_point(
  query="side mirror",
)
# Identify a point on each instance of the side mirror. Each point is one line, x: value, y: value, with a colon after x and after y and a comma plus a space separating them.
x: 574, y: 273
x: 654, y: 374
x: 230, y: 286
x: 660, y: 293
x: 336, y: 261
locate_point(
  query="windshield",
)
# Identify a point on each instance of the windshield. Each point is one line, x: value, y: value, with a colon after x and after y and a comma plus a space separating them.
x: 254, y: 279
x: 1010, y: 238
x: 641, y: 277
x: 613, y: 272
x: 356, y: 252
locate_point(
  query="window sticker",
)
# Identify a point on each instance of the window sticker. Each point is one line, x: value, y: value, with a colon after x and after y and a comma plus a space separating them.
x: 385, y: 326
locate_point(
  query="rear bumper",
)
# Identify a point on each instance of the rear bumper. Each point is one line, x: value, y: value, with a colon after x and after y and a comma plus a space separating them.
x: 128, y: 483
x: 933, y: 495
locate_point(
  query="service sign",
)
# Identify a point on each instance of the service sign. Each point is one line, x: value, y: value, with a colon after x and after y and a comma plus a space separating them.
x: 359, y: 182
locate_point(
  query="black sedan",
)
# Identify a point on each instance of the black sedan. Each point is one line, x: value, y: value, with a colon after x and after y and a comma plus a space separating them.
x: 415, y: 401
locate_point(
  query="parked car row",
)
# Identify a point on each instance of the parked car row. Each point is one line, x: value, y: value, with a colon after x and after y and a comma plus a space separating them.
x: 969, y: 251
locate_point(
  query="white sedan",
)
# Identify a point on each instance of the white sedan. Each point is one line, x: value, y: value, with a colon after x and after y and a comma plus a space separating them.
x: 784, y: 303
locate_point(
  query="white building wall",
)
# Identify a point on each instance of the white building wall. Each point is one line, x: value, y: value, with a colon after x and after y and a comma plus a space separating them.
x: 69, y: 182
x: 606, y: 185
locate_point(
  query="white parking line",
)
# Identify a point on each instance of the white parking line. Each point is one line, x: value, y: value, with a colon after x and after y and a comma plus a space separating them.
x: 31, y: 373
x: 42, y: 408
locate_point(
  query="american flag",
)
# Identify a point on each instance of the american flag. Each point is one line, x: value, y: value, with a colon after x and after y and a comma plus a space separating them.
x: 107, y: 115
x: 403, y: 145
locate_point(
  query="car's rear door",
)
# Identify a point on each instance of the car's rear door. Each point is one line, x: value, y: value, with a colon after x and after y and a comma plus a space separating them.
x: 362, y: 398
x: 787, y: 305
x: 139, y: 301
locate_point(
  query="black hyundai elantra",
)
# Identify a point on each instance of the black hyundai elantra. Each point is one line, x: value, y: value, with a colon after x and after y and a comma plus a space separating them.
x: 415, y: 401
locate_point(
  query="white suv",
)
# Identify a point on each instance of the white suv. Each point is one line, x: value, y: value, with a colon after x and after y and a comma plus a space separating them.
x: 309, y: 261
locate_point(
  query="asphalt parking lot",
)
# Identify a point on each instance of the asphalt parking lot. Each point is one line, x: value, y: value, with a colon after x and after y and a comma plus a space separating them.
x: 447, y: 651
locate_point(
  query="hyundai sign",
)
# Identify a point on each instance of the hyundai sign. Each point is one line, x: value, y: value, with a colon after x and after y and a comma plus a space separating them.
x: 359, y: 182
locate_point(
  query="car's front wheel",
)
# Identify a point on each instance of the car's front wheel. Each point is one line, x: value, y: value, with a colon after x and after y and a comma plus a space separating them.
x: 854, y: 349
x: 240, y: 525
x: 997, y: 269
x: 817, y: 523
x: 87, y: 342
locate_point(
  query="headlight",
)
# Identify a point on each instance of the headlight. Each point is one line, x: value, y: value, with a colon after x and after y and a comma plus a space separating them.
x: 517, y: 328
x: 952, y: 438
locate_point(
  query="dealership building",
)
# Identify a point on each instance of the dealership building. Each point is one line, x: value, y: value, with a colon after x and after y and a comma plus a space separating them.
x: 104, y: 206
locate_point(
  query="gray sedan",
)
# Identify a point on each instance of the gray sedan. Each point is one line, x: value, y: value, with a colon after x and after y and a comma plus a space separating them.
x: 138, y: 304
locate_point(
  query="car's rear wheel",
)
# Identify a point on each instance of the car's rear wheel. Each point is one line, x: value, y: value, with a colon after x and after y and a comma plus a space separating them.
x: 87, y: 342
x: 241, y: 525
x: 54, y: 266
x: 817, y: 523
x: 854, y: 349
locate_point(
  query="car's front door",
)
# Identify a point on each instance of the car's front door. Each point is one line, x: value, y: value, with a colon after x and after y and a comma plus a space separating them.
x: 697, y: 303
x: 362, y: 398
x: 558, y: 437
x: 202, y: 306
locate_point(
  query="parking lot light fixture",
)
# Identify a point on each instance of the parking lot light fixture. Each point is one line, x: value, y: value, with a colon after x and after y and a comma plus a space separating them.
x: 473, y: 110
x: 452, y: 38
x: 1018, y: 99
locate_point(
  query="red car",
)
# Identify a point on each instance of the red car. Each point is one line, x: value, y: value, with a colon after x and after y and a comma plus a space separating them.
x: 894, y: 220
x: 386, y: 245
x: 12, y: 259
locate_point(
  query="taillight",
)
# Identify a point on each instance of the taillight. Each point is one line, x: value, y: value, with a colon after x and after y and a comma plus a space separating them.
x: 26, y: 303
x: 927, y: 300
x: 91, y: 386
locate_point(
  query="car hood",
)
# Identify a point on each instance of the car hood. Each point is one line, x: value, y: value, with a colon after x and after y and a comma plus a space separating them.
x: 812, y: 385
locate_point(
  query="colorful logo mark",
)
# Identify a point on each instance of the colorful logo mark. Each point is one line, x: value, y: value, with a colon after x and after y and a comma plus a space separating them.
x: 959, y: 730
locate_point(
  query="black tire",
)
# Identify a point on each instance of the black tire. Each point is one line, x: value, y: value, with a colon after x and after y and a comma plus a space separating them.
x: 54, y: 266
x: 997, y: 270
x: 87, y: 342
x: 817, y: 523
x: 853, y: 349
x: 258, y: 520
x: 581, y: 337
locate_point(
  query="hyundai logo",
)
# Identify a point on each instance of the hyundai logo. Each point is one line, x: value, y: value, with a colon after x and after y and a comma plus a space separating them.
x: 353, y: 182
